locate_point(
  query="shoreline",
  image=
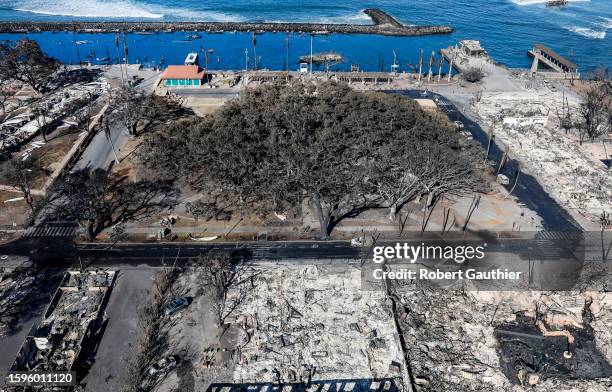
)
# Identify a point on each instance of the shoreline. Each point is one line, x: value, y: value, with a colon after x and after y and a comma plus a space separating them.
x: 383, y: 24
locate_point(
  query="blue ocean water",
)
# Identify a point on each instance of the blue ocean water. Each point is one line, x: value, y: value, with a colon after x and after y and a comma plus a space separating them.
x: 582, y: 30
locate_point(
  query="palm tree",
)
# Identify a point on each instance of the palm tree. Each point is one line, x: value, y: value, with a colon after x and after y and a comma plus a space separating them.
x: 255, y: 49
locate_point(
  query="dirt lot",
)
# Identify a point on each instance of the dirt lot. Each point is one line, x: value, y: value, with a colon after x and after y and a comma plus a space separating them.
x: 13, y: 212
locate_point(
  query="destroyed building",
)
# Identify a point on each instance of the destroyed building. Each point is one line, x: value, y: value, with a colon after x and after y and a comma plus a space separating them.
x: 70, y: 324
x: 465, y: 340
x: 23, y: 123
x: 314, y: 323
x: 528, y: 125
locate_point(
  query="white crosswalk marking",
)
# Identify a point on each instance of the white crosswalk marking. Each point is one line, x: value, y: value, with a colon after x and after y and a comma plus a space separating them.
x: 50, y: 231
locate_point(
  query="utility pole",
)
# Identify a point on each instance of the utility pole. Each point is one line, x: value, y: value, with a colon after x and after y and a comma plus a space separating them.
x: 118, y: 57
x: 287, y: 53
x: 450, y: 64
x: 246, y: 60
x: 125, y: 51
x: 421, y: 65
x: 254, y: 39
x: 76, y: 250
x: 311, y: 54
x: 440, y: 60
x: 431, y: 63
x: 76, y: 46
x: 491, y: 139
x: 311, y: 39
x: 395, y: 66
x: 516, y: 178
x: 109, y: 137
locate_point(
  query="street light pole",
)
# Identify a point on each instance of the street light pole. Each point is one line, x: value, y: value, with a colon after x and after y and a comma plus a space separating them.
x: 311, y: 39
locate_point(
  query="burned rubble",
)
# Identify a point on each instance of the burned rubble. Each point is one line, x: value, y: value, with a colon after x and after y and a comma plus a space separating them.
x: 54, y: 110
x: 463, y: 340
x: 71, y: 325
x: 23, y: 290
x: 313, y: 323
x: 531, y: 125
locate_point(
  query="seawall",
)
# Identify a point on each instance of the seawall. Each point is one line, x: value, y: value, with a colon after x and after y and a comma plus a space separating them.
x: 383, y: 24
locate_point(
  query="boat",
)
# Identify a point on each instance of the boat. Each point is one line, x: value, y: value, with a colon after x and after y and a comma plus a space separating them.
x: 106, y: 59
x: 323, y: 58
x: 556, y: 3
x: 194, y: 36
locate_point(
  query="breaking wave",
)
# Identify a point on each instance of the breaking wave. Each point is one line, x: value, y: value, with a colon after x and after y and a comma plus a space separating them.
x: 529, y: 2
x: 120, y: 9
x: 588, y: 32
x: 89, y: 9
x: 594, y: 33
x: 353, y: 18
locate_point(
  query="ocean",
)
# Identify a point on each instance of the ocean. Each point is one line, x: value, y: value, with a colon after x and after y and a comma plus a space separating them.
x: 581, y: 31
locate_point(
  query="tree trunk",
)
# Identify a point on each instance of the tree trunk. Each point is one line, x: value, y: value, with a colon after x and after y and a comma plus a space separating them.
x: 392, y: 211
x: 91, y: 235
x: 323, y: 216
x: 27, y: 196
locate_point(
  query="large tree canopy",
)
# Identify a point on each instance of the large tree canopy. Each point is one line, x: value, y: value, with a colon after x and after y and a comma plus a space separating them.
x: 343, y: 150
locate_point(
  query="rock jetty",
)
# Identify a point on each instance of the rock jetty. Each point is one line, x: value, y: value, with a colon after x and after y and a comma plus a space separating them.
x: 383, y: 24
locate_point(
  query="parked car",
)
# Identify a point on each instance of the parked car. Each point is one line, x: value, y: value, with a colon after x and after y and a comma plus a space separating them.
x: 164, y: 365
x: 459, y: 125
x: 175, y: 305
x: 503, y: 179
x: 467, y: 134
x: 361, y: 242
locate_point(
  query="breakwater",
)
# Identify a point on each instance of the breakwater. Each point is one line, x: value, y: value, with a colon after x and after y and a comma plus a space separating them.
x: 383, y: 24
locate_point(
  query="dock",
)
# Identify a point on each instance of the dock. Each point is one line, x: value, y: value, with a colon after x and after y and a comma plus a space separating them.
x: 382, y: 24
x: 552, y: 60
x: 468, y: 54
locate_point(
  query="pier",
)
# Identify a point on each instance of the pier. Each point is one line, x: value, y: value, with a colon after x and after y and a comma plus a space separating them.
x: 551, y: 59
x: 383, y: 24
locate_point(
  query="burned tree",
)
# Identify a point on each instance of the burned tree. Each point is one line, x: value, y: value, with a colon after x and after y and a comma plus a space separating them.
x: 5, y: 96
x: 220, y: 273
x: 139, y: 112
x: 100, y: 200
x: 326, y: 144
x: 421, y: 167
x: 595, y: 111
x: 27, y: 63
x: 20, y: 174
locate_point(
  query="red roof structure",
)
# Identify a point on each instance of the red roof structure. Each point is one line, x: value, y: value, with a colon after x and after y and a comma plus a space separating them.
x: 184, y: 72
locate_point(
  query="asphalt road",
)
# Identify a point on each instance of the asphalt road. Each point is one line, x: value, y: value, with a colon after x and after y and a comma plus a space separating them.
x: 555, y: 258
x: 58, y: 250
x: 99, y: 153
x: 207, y: 92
